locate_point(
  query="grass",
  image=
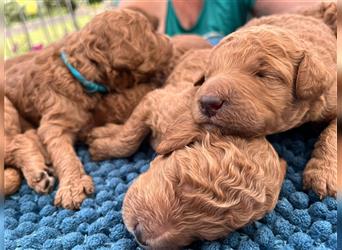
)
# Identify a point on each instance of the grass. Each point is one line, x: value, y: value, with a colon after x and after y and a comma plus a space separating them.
x: 16, y: 44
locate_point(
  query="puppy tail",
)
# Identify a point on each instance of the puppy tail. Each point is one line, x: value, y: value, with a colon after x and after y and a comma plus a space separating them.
x: 12, y: 178
x: 327, y: 11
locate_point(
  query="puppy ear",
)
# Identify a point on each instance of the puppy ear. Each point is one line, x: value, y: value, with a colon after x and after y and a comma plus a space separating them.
x: 179, y: 134
x: 199, y: 79
x: 313, y: 78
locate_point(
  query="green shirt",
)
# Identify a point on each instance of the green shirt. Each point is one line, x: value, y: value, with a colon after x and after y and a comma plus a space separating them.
x: 217, y: 18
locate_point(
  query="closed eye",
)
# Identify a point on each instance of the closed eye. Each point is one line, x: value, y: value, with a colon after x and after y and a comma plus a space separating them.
x: 200, y: 80
x: 270, y: 77
x: 261, y: 74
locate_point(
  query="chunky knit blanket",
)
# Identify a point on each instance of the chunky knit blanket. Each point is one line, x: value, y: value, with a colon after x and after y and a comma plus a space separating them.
x: 299, y: 221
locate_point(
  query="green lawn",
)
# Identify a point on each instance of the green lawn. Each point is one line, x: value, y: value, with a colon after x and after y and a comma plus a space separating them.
x: 38, y: 36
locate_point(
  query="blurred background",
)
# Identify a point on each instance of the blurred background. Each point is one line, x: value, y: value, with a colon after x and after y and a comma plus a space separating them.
x: 33, y: 24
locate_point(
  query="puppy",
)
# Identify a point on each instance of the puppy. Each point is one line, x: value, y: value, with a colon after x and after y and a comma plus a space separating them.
x: 202, y: 191
x: 275, y: 74
x: 110, y: 56
x: 124, y: 103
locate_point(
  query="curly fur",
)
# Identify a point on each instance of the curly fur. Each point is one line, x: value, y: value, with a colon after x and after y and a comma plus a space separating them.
x: 127, y: 100
x: 133, y: 84
x: 202, y: 191
x: 326, y: 11
x: 150, y: 117
x: 40, y: 89
x: 12, y: 180
x: 274, y: 74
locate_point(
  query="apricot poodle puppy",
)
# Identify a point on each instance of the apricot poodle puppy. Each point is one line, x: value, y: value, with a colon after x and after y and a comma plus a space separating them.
x: 110, y: 56
x: 202, y: 191
x: 124, y: 101
x: 275, y: 74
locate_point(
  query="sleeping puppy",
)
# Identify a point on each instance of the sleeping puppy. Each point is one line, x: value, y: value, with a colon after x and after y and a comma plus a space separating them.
x: 29, y: 145
x: 275, y: 74
x: 58, y: 89
x: 202, y: 191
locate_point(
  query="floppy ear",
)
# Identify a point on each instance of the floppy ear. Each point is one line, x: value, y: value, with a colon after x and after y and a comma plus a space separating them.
x: 179, y: 134
x: 313, y: 78
x: 199, y: 79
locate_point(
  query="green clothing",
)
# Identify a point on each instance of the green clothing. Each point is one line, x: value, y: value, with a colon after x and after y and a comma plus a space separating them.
x: 217, y: 18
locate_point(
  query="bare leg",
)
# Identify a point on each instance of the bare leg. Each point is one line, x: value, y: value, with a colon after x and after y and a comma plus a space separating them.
x: 320, y: 173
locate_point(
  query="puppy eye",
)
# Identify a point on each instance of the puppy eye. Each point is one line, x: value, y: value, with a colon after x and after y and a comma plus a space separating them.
x: 200, y: 80
x: 260, y: 74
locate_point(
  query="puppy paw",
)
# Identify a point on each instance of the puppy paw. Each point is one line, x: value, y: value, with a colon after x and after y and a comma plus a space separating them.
x: 320, y: 176
x: 98, y: 150
x: 70, y: 195
x: 12, y: 180
x: 103, y: 132
x: 41, y: 180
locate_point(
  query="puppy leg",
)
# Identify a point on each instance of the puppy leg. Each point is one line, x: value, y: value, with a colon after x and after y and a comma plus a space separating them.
x: 110, y: 129
x: 12, y: 180
x: 24, y: 151
x: 123, y: 140
x: 74, y: 183
x: 27, y: 155
x: 320, y: 173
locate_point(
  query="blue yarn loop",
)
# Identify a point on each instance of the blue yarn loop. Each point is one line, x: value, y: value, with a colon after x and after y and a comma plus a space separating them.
x: 89, y: 86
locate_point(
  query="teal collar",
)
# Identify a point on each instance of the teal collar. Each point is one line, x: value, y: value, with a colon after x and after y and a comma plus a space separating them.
x: 89, y: 86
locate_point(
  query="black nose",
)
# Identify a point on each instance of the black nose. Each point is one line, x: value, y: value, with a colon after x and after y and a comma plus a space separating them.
x: 138, y: 234
x: 210, y: 105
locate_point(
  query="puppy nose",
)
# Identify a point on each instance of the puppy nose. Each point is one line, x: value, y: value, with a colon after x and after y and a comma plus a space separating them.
x: 138, y: 234
x: 210, y: 105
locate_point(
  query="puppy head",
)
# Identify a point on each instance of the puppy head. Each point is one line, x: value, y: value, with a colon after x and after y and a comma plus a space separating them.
x: 202, y: 192
x: 151, y: 209
x: 119, y: 47
x: 259, y: 80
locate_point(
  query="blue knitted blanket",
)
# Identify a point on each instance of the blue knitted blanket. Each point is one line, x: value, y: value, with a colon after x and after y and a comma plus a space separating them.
x: 299, y: 221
